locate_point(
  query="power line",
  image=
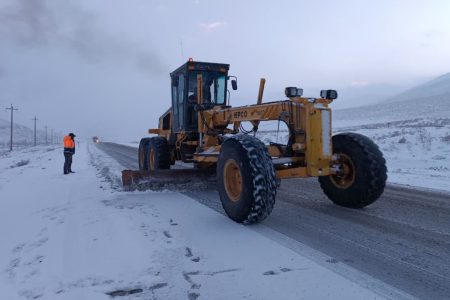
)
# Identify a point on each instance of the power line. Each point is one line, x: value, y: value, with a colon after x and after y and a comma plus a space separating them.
x: 12, y: 109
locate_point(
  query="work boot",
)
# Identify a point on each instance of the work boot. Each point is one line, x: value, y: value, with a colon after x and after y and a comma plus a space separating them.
x: 71, y: 171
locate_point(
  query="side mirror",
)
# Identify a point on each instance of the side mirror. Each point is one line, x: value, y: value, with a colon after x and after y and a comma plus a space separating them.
x: 234, y: 84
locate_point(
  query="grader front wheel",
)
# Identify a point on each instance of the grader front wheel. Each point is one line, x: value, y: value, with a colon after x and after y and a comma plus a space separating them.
x: 362, y: 176
x: 232, y: 180
x: 246, y: 179
x: 346, y: 177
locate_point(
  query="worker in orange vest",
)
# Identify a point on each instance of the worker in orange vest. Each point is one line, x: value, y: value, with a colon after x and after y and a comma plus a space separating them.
x: 69, y: 150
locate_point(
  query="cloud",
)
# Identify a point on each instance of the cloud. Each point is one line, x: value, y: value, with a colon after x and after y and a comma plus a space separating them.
x: 359, y: 83
x: 209, y: 27
x: 35, y: 23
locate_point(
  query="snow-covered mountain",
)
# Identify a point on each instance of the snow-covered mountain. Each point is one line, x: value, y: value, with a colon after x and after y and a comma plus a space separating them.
x: 429, y: 100
x: 22, y: 135
x: 355, y: 96
x: 439, y: 86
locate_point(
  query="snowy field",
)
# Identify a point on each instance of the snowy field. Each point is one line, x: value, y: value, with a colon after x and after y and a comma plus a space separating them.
x: 78, y: 236
x: 417, y: 151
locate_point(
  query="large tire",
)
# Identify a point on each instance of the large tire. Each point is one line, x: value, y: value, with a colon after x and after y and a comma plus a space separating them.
x: 142, y: 154
x: 158, y: 154
x: 246, y: 179
x: 364, y: 172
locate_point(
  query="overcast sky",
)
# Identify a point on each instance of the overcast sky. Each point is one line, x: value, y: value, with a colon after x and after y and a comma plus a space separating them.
x: 101, y: 67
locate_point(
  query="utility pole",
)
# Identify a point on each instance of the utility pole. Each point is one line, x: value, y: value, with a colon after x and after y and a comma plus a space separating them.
x: 35, y: 119
x: 51, y: 134
x: 12, y: 109
x: 46, y: 143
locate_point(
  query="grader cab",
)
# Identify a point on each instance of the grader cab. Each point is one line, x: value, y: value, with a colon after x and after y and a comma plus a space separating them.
x: 202, y: 129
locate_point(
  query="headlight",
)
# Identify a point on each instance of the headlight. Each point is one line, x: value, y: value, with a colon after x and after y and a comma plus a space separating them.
x: 328, y: 94
x: 291, y: 92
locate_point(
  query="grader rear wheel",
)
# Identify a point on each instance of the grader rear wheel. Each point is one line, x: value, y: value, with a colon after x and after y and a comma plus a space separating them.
x: 151, y: 159
x: 362, y: 176
x: 246, y: 179
x: 158, y: 155
x: 142, y: 154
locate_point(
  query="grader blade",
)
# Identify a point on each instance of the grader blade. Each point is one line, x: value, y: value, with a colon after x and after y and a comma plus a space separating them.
x: 176, y: 180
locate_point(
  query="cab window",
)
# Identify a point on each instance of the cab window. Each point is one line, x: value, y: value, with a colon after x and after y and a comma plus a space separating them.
x: 214, y: 87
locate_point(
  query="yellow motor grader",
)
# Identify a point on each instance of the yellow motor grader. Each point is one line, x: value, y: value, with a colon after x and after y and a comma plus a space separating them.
x: 203, y: 129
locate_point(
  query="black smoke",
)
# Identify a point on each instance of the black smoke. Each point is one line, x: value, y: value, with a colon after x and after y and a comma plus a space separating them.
x: 53, y: 23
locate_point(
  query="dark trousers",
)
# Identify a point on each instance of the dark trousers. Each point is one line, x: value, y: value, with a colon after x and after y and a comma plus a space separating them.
x: 67, y: 162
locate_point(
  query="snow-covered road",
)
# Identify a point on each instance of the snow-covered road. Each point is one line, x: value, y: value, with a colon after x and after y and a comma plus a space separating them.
x: 78, y: 236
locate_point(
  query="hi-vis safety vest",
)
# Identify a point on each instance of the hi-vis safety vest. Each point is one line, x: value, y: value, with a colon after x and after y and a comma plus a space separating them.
x: 68, y: 142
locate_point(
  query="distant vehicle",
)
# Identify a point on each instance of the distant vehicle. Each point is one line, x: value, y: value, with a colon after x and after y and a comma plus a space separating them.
x: 96, y: 140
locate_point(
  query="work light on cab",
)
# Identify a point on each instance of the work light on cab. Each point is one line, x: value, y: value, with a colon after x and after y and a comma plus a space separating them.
x: 292, y: 92
x: 328, y: 94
